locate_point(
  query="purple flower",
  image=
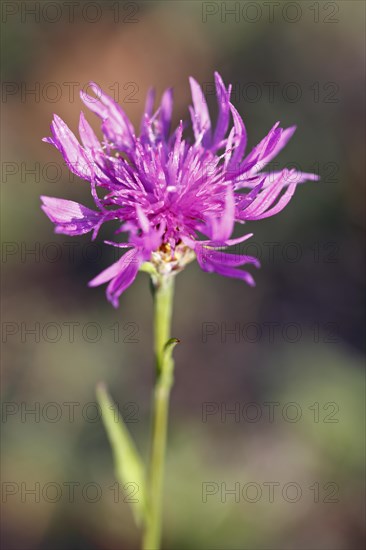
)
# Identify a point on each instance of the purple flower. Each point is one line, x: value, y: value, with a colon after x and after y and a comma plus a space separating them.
x: 165, y: 190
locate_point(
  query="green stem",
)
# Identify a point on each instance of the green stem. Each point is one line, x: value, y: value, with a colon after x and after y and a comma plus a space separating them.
x: 163, y: 303
x: 163, y: 307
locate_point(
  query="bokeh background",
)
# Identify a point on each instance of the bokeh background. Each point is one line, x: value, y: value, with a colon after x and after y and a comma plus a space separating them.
x: 297, y: 347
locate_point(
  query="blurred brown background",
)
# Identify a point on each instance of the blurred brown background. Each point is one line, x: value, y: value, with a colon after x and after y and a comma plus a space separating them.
x: 291, y: 367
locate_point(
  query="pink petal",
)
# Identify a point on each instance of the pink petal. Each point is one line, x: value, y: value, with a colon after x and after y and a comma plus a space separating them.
x: 130, y: 258
x: 200, y: 115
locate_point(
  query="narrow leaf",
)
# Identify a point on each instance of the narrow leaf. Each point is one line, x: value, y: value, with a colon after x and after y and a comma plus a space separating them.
x: 129, y: 469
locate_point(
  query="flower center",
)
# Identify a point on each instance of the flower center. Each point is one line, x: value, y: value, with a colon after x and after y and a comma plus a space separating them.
x: 167, y: 261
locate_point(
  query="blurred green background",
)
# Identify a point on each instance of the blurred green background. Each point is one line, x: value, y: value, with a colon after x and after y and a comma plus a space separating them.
x: 293, y: 368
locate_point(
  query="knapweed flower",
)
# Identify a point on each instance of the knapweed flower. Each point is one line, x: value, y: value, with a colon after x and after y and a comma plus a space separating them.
x: 177, y: 199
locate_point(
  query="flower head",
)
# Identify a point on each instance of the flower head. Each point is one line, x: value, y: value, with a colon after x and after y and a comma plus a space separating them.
x: 166, y: 191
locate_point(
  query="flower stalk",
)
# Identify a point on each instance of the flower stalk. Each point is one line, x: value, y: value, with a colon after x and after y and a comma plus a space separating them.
x: 163, y: 309
x: 163, y: 304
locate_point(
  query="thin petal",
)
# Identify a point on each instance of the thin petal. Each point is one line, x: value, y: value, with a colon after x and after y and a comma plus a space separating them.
x: 269, y: 177
x: 215, y: 244
x: 143, y: 219
x: 71, y: 218
x: 225, y: 270
x: 116, y: 125
x: 113, y: 270
x: 243, y: 201
x: 284, y: 200
x: 65, y: 141
x: 200, y: 116
x: 149, y: 104
x: 259, y: 151
x: 123, y: 280
x: 88, y: 137
x: 240, y: 138
x: 235, y: 273
x: 222, y: 227
x: 284, y: 138
x: 266, y: 198
x: 219, y: 257
x: 223, y: 100
x: 166, y: 110
x: 269, y: 147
